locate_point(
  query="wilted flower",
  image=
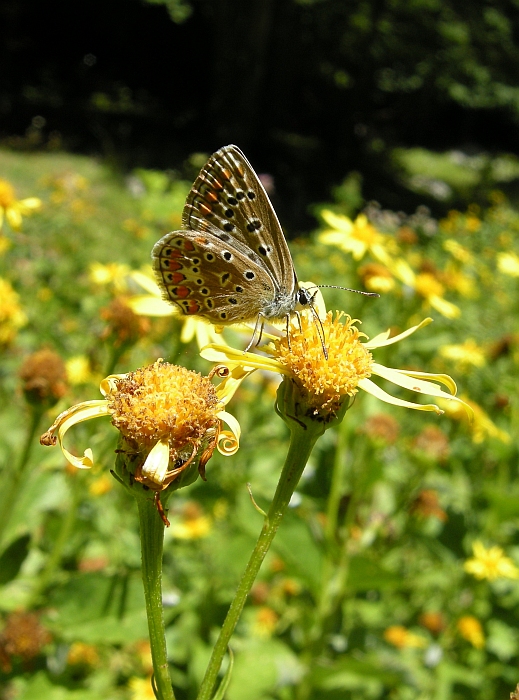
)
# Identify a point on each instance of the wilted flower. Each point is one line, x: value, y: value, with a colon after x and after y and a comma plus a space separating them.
x: 168, y: 417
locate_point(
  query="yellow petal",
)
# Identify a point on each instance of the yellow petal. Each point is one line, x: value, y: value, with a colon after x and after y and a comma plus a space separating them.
x: 371, y: 388
x: 148, y: 305
x: 156, y: 465
x: 382, y: 339
x: 14, y: 218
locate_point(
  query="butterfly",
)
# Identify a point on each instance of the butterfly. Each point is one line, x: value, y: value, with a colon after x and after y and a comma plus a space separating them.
x: 230, y: 263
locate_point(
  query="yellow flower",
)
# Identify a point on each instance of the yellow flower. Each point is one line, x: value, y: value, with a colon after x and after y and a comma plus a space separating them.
x: 192, y: 524
x: 112, y: 274
x: 325, y: 382
x: 78, y: 370
x: 356, y: 237
x: 470, y: 629
x: 402, y: 638
x: 490, y: 563
x: 427, y: 286
x: 480, y: 425
x: 376, y: 278
x: 168, y: 417
x: 465, y: 355
x: 12, y: 209
x: 265, y: 622
x: 508, y: 264
x: 11, y: 315
x: 141, y: 689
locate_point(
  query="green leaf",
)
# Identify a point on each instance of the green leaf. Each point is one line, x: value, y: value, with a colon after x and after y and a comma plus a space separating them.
x: 12, y: 559
x: 365, y: 575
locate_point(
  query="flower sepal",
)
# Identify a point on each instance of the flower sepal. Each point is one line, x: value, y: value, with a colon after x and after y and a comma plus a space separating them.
x: 292, y: 406
x: 156, y: 476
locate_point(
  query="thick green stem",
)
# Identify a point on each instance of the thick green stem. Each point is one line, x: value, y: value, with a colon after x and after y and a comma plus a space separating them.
x: 303, y: 438
x: 152, y: 541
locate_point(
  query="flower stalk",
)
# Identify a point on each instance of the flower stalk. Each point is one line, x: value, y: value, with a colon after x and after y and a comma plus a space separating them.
x: 152, y: 542
x: 304, y: 433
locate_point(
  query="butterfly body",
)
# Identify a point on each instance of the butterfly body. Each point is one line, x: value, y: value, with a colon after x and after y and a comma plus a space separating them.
x: 230, y: 263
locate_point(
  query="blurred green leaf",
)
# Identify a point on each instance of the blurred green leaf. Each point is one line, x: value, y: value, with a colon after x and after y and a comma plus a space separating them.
x: 12, y: 559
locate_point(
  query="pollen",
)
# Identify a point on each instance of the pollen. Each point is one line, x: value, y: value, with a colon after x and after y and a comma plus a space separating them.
x: 325, y: 381
x: 164, y: 402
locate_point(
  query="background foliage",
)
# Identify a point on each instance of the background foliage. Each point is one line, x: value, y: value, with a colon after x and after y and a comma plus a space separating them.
x: 365, y: 594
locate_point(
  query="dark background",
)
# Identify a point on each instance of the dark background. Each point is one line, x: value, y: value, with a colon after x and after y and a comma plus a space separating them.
x: 310, y: 90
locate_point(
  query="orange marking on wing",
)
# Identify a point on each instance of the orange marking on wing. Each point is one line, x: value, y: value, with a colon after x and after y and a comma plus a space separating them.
x: 226, y: 174
x: 189, y: 246
x: 239, y: 168
x: 211, y: 196
x: 201, y: 241
x: 204, y: 208
x: 173, y: 253
x: 173, y: 264
x: 176, y: 277
x: 181, y: 292
x: 192, y: 307
x: 217, y: 184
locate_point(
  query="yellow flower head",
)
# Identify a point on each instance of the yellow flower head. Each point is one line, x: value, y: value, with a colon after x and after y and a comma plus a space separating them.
x: 356, y: 237
x: 470, y: 629
x: 490, y: 564
x: 168, y: 417
x: 12, y: 209
x: 328, y: 362
x: 324, y: 384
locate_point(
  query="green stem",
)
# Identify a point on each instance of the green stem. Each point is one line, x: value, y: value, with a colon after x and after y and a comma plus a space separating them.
x: 12, y: 487
x: 152, y: 541
x: 302, y: 440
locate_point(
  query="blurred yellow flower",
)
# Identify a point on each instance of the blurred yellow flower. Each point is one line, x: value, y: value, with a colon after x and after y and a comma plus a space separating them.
x: 356, y: 237
x: 402, y: 638
x: 481, y: 425
x: 12, y: 318
x: 490, y: 563
x: 78, y: 370
x: 465, y: 355
x: 141, y: 689
x: 12, y: 209
x: 265, y: 622
x: 81, y: 654
x: 103, y: 484
x: 376, y: 278
x: 508, y: 264
x: 470, y: 629
x: 458, y: 251
x: 192, y: 524
x: 114, y: 273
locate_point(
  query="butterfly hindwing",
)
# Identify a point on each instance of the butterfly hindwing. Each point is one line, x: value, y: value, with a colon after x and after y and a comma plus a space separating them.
x: 220, y: 283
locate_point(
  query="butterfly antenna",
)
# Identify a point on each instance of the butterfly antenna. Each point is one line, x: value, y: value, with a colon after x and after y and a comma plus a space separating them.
x: 346, y: 289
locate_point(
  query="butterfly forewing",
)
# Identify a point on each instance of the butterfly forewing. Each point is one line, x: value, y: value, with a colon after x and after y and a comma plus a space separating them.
x: 228, y: 194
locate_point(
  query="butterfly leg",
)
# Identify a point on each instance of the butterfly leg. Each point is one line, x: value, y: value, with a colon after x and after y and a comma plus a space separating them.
x: 260, y: 322
x: 320, y: 330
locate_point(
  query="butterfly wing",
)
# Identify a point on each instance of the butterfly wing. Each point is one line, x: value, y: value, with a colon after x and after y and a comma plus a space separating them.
x: 229, y: 195
x: 224, y: 284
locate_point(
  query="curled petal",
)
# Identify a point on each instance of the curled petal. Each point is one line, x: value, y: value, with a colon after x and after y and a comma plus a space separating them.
x: 156, y: 465
x: 383, y: 339
x: 229, y: 440
x: 77, y: 414
x: 109, y: 384
x: 371, y: 388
